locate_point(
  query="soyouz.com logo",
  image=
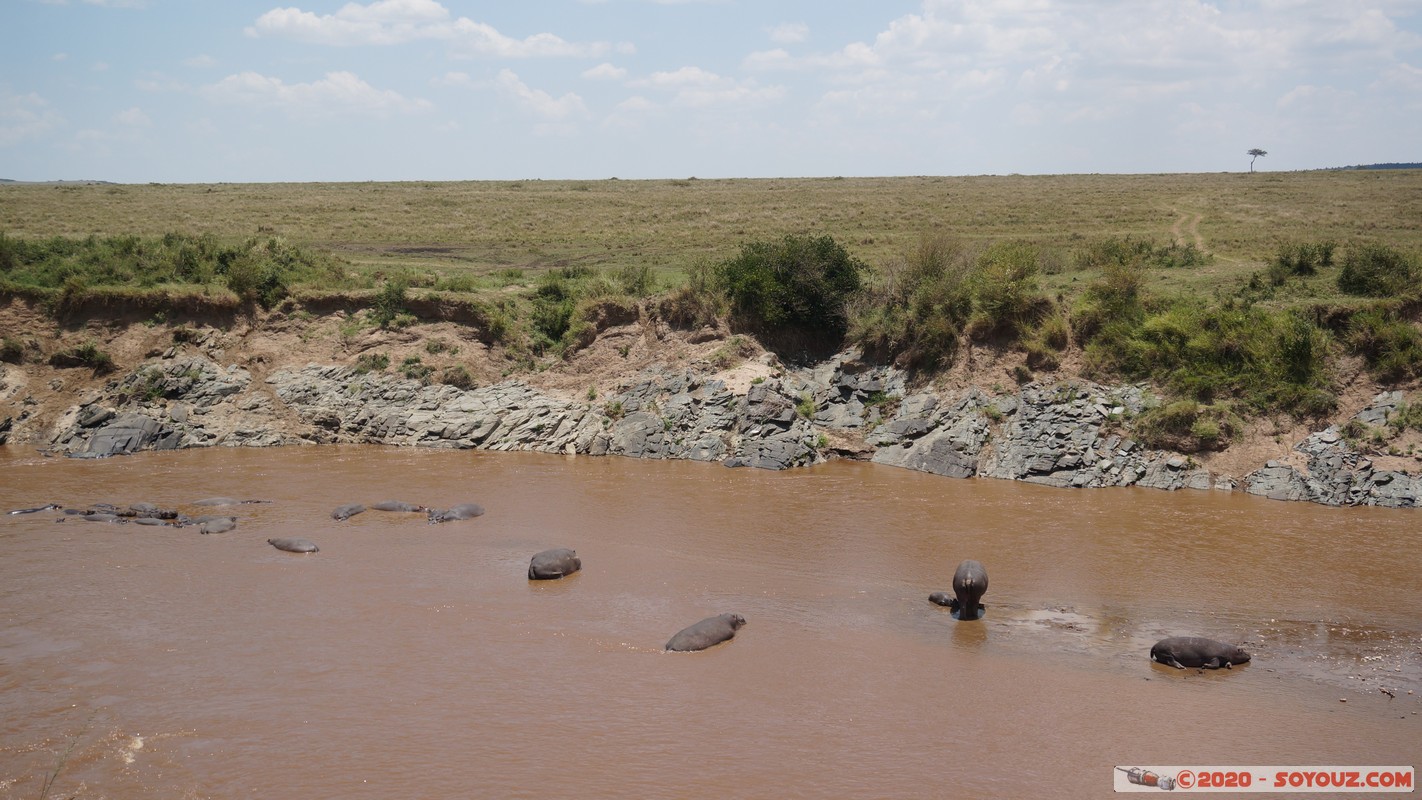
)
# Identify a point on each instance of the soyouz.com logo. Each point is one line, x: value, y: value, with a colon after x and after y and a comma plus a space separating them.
x: 1263, y: 779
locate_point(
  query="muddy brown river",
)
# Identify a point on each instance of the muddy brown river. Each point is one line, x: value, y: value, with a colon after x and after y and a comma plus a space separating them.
x: 415, y: 660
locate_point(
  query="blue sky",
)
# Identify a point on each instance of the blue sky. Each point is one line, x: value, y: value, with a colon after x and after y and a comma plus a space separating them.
x: 233, y: 90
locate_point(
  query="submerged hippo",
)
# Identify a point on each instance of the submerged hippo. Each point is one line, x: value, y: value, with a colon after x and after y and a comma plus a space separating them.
x: 970, y: 583
x: 35, y: 509
x: 225, y: 501
x: 465, y: 511
x: 292, y: 545
x: 1194, y: 651
x: 347, y: 511
x: 218, y: 525
x: 554, y: 563
x: 707, y: 632
x: 398, y: 505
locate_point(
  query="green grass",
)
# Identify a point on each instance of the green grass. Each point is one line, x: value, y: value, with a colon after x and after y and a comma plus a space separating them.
x: 1232, y: 289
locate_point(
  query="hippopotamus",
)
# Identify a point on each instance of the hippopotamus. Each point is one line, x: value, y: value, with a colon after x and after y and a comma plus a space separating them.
x: 970, y: 582
x: 150, y: 510
x: 219, y: 525
x: 707, y: 632
x: 554, y: 563
x: 102, y: 516
x: 464, y: 511
x: 347, y: 511
x: 35, y: 509
x: 397, y: 505
x: 292, y: 545
x: 1195, y: 651
x: 148, y: 521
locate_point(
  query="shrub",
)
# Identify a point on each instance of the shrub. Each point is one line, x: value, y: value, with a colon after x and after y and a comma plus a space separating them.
x: 414, y: 370
x: 800, y: 282
x: 1391, y: 346
x: 1300, y: 259
x: 371, y: 362
x: 458, y: 377
x: 1375, y: 270
x: 1188, y: 427
x: 84, y: 355
x: 1003, y: 286
x: 916, y: 311
x: 12, y: 349
x: 390, y: 301
x: 1138, y: 252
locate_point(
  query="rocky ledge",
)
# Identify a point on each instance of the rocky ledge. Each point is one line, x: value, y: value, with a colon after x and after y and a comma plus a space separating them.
x: 1067, y: 435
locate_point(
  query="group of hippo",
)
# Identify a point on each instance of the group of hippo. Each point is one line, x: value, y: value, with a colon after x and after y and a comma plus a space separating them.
x: 970, y: 583
x: 970, y: 580
x: 546, y: 565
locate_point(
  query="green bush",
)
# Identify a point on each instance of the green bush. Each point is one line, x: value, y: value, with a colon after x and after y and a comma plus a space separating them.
x: 1391, y: 346
x: 1185, y: 426
x: 1300, y: 259
x: 84, y: 355
x: 1375, y: 270
x: 390, y: 301
x: 1271, y: 360
x: 371, y: 362
x: 458, y: 377
x: 800, y: 283
x: 916, y: 310
x: 258, y: 270
x: 1005, y: 295
x: 12, y: 349
x: 1139, y: 252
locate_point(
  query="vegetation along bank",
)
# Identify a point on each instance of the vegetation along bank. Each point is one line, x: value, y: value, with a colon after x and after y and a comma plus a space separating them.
x: 1256, y: 332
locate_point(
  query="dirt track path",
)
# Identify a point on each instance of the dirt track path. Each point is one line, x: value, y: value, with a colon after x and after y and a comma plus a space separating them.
x: 1188, y: 224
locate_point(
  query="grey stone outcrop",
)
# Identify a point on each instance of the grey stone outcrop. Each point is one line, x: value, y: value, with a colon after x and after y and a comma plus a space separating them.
x: 1072, y: 434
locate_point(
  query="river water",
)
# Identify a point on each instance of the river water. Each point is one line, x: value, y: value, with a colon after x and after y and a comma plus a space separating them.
x: 415, y: 660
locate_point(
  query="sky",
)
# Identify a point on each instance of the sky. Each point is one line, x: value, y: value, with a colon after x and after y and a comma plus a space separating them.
x: 198, y: 91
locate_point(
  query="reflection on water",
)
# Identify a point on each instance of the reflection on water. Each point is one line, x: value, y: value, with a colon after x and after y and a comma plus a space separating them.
x: 406, y: 659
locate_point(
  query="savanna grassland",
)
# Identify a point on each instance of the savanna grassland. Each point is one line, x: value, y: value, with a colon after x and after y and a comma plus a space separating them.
x: 1236, y: 294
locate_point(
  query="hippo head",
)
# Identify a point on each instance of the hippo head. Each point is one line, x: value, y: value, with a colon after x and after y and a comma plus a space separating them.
x: 735, y: 621
x: 1238, y: 656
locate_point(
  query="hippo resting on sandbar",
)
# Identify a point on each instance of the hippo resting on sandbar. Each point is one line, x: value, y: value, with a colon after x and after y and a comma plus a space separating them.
x: 556, y: 563
x: 347, y: 511
x: 294, y: 545
x: 1193, y: 651
x: 465, y: 511
x: 707, y: 632
x: 398, y: 505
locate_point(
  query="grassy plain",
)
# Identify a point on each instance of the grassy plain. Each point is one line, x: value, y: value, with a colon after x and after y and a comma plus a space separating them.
x: 487, y: 228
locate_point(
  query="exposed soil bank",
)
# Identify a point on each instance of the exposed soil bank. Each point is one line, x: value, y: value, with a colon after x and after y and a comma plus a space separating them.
x: 642, y: 388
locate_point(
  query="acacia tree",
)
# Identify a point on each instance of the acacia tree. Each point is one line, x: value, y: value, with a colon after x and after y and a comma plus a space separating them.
x: 1253, y: 154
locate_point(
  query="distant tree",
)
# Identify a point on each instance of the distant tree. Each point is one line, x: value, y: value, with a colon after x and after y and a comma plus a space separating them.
x: 1253, y: 154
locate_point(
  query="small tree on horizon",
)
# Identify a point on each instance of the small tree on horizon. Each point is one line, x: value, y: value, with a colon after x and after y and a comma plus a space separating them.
x: 1253, y: 154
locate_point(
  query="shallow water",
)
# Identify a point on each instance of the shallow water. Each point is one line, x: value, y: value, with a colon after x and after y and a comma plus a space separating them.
x: 410, y: 660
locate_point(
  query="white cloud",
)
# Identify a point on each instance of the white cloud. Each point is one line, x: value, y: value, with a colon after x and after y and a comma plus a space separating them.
x: 636, y: 103
x: 790, y: 33
x: 391, y: 22
x: 25, y: 116
x: 458, y: 79
x: 59, y: 57
x: 605, y: 71
x: 203, y: 61
x: 106, y: 3
x: 337, y: 92
x: 694, y: 87
x: 133, y: 118
x: 537, y: 101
